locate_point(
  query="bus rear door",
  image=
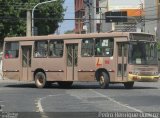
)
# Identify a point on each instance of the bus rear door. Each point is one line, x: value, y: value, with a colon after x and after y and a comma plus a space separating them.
x: 72, y: 61
x: 26, y: 63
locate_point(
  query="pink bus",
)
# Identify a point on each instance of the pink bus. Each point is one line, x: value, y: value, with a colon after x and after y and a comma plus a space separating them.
x: 115, y: 57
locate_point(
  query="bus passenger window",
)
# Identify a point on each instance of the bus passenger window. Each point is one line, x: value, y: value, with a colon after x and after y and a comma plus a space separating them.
x: 87, y: 47
x: 41, y: 48
x: 11, y: 50
x: 98, y: 49
x: 104, y: 47
x: 56, y: 48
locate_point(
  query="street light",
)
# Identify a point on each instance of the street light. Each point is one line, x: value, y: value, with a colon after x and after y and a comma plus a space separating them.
x: 33, y: 12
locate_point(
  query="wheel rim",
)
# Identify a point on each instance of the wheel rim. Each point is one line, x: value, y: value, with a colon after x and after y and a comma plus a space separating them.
x: 40, y: 80
x: 101, y: 80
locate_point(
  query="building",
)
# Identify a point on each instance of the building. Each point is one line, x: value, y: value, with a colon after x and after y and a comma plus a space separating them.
x: 85, y: 14
x: 131, y: 21
x: 158, y: 21
x: 140, y: 13
x: 134, y: 14
x: 79, y: 14
x: 151, y: 15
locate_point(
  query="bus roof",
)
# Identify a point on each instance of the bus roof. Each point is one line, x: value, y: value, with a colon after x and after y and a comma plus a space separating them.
x: 72, y: 36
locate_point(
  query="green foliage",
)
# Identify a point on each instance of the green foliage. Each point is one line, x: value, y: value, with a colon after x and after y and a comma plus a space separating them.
x: 158, y: 45
x: 13, y: 16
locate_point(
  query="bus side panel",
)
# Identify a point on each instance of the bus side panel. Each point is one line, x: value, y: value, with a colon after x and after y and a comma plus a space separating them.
x: 86, y: 66
x: 11, y: 69
x: 109, y: 65
x: 55, y: 76
x: 86, y: 69
x: 54, y: 67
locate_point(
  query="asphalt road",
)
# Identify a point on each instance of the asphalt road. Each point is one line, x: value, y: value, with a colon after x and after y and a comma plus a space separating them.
x: 82, y: 99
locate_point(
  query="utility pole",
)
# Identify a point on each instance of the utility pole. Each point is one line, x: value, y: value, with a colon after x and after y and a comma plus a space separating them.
x: 29, y: 20
x: 79, y: 25
x: 90, y: 28
x: 88, y: 6
x: 100, y: 12
x: 142, y: 18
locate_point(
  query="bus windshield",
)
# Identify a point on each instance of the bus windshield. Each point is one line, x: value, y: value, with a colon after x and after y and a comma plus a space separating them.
x: 143, y: 53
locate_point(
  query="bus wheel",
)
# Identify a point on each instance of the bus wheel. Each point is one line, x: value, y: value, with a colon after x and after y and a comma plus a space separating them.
x: 128, y: 85
x: 104, y: 80
x: 40, y: 80
x: 65, y: 84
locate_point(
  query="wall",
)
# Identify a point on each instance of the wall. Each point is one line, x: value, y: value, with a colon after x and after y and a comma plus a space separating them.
x: 122, y: 4
x: 150, y: 9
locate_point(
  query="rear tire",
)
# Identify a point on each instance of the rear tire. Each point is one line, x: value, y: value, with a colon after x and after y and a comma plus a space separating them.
x: 63, y: 84
x: 128, y: 85
x: 103, y: 80
x: 40, y: 80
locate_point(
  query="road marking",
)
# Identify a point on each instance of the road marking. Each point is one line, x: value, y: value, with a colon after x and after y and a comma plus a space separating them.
x: 39, y: 102
x: 112, y: 100
x: 39, y: 105
x: 124, y: 105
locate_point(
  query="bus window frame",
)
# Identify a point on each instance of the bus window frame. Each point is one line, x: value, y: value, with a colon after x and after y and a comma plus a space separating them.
x: 93, y: 39
x: 11, y: 50
x: 49, y: 48
x: 35, y: 48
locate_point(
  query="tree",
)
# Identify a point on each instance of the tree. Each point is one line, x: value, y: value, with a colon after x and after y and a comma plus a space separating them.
x: 13, y: 16
x: 158, y: 45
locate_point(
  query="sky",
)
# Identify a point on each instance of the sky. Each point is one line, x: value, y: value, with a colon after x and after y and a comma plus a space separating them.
x: 68, y: 24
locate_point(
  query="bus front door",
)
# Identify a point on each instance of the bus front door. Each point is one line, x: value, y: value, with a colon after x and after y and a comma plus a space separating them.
x: 72, y: 61
x: 26, y: 63
x: 122, y: 62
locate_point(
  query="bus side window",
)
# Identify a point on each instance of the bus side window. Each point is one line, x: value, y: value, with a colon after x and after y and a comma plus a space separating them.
x: 87, y: 47
x: 11, y: 50
x: 98, y: 49
x: 41, y: 48
x: 104, y: 47
x: 56, y: 48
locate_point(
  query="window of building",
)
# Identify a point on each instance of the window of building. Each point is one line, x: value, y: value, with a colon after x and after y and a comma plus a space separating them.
x: 87, y: 47
x: 40, y: 49
x: 97, y: 7
x: 56, y: 48
x: 104, y: 47
x: 11, y: 50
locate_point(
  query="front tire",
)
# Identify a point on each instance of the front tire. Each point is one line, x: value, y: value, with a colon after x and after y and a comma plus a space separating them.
x: 40, y: 80
x: 103, y: 80
x: 128, y: 85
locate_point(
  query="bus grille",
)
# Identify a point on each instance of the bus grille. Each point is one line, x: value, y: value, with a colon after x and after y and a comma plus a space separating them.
x: 146, y: 74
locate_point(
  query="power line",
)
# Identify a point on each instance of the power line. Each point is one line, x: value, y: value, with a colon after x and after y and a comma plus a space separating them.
x: 49, y: 18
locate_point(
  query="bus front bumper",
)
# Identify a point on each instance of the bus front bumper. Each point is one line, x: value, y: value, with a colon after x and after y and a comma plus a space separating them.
x: 138, y: 78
